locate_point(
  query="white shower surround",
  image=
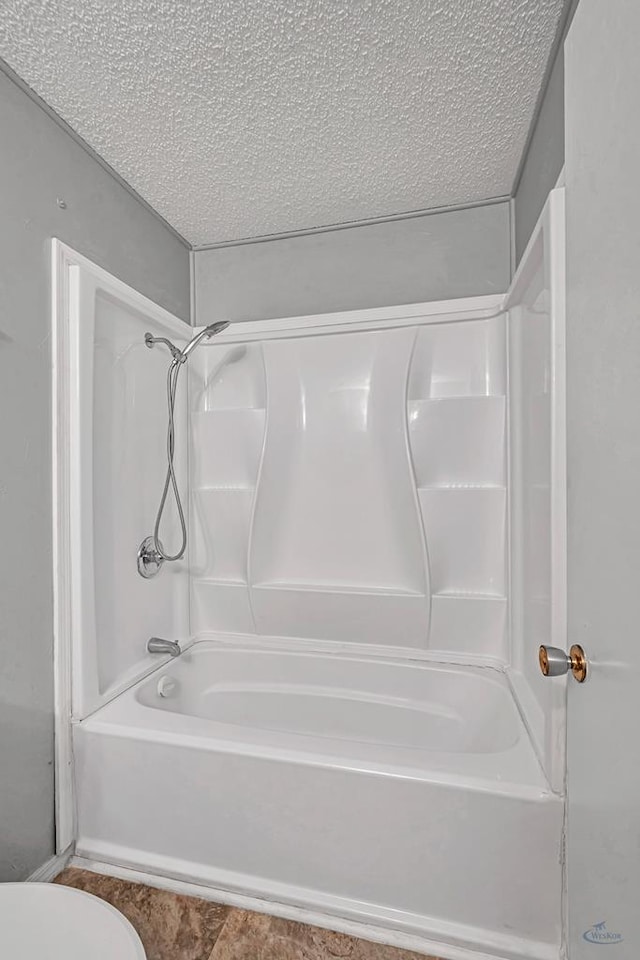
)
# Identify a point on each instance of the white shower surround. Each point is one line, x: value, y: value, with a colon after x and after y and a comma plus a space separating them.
x: 237, y: 120
x: 352, y: 486
x: 478, y: 814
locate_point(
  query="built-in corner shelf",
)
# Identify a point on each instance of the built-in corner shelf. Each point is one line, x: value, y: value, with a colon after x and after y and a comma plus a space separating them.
x: 456, y: 415
x: 220, y: 519
x: 462, y: 486
x: 362, y: 589
x: 459, y: 361
x: 226, y: 447
x: 465, y: 531
x: 458, y: 452
x: 458, y: 441
x: 227, y: 439
x: 469, y: 623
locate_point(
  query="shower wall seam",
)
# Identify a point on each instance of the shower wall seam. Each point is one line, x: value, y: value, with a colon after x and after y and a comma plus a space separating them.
x: 256, y: 492
x: 418, y: 506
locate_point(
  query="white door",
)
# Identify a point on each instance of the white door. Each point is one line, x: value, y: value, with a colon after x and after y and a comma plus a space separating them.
x: 602, y: 70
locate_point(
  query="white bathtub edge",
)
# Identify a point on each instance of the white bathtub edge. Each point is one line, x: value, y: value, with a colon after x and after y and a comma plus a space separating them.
x: 331, y: 914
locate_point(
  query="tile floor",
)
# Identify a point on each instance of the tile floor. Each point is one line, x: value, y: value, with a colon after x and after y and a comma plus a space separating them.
x: 175, y: 927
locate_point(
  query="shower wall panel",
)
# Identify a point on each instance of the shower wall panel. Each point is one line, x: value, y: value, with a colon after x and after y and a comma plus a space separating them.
x: 128, y: 450
x: 351, y: 487
x: 538, y: 482
x: 113, y: 396
x: 336, y: 550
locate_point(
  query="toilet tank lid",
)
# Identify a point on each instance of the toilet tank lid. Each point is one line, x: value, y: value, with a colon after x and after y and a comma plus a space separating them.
x: 48, y: 920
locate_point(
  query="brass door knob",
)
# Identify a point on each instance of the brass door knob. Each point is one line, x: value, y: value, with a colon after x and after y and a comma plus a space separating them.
x: 555, y: 662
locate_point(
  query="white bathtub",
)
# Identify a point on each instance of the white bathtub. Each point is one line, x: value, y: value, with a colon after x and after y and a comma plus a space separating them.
x: 405, y: 795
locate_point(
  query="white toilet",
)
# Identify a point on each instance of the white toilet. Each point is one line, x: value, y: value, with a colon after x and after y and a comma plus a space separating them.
x: 43, y: 921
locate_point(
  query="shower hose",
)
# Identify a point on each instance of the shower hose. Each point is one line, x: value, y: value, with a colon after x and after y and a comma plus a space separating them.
x: 170, y: 479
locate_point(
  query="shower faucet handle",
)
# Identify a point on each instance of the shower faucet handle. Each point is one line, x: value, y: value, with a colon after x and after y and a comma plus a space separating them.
x: 148, y: 559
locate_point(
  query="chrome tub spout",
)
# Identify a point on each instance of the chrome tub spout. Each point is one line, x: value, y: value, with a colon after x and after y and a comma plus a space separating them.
x: 158, y: 645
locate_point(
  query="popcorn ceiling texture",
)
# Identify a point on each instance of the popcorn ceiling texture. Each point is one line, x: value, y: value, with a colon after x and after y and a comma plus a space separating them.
x: 238, y: 118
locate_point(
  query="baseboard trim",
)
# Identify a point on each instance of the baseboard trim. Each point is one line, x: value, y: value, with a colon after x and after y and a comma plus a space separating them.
x: 356, y: 928
x: 51, y: 867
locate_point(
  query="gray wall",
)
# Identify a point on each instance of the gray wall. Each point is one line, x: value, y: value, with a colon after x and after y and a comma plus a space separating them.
x: 40, y: 162
x: 435, y: 257
x: 544, y: 159
x: 603, y: 416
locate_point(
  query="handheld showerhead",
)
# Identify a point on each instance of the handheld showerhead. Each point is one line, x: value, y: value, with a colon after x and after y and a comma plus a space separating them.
x: 216, y: 327
x: 208, y: 332
x: 180, y: 356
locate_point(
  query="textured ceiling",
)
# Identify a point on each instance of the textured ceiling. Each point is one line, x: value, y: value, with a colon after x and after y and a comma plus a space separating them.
x: 238, y: 118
